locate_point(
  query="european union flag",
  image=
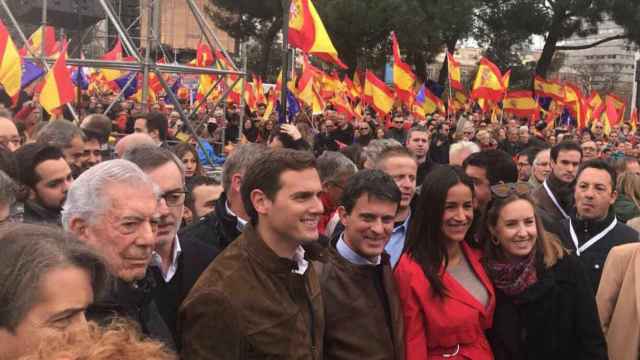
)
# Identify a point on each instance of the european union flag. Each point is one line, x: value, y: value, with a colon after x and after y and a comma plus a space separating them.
x: 292, y: 108
x: 30, y: 73
x: 420, y: 96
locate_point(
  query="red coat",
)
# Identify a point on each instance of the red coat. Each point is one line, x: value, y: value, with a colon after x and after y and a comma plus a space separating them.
x: 434, y: 327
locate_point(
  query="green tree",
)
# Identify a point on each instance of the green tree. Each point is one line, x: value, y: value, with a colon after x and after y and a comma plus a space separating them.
x: 250, y: 19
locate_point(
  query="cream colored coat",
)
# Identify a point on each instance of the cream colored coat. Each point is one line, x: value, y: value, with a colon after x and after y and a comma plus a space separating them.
x: 618, y: 302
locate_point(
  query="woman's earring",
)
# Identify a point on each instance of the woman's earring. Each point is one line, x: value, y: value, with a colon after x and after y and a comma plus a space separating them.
x: 495, y: 241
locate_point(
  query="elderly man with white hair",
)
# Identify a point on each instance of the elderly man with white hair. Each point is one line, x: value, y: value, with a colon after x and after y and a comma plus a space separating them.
x: 113, y: 207
x: 461, y: 150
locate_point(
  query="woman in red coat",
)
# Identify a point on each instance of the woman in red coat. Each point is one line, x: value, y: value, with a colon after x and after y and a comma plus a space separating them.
x: 447, y: 298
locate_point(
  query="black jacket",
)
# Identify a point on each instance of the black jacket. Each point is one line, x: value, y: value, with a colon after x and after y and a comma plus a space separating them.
x: 424, y: 169
x: 593, y: 258
x: 218, y: 229
x: 555, y: 318
x: 193, y: 260
x: 35, y: 213
x: 132, y: 301
x: 439, y: 153
x: 510, y: 148
x: 323, y: 142
x: 345, y: 136
x: 400, y: 135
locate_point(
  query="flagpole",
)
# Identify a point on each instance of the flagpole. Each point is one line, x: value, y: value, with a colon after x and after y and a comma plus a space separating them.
x: 243, y: 51
x: 286, y: 4
x: 42, y: 43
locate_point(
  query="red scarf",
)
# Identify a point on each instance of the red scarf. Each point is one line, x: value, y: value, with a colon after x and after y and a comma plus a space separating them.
x: 513, y: 277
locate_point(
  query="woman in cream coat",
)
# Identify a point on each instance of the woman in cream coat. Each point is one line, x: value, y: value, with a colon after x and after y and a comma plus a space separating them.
x: 618, y: 300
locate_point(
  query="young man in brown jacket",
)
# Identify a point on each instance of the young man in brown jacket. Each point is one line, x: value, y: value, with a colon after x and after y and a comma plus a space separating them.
x: 363, y: 316
x: 260, y: 298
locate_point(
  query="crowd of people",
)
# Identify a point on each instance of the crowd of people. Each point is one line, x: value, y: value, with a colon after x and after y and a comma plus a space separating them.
x: 126, y: 236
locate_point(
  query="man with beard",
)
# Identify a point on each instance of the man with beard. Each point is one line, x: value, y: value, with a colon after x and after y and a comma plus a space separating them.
x: 554, y: 199
x: 179, y: 263
x: 113, y: 207
x: 43, y: 169
x: 68, y: 138
x: 540, y: 168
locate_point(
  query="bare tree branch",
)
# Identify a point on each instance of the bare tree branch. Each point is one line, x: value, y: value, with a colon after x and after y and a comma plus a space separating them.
x: 594, y: 44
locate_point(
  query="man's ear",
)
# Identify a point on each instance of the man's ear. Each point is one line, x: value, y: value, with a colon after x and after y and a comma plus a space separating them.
x: 236, y: 182
x: 80, y: 228
x: 342, y: 213
x: 261, y: 203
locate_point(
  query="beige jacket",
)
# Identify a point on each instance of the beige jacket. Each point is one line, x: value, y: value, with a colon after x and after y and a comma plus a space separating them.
x: 618, y: 300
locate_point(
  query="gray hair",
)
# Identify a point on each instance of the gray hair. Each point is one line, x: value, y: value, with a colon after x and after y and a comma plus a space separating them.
x: 58, y: 133
x: 86, y: 198
x: 239, y: 161
x: 332, y: 166
x: 8, y: 189
x: 29, y: 253
x: 540, y: 153
x: 464, y: 145
x: 376, y: 147
x: 150, y: 157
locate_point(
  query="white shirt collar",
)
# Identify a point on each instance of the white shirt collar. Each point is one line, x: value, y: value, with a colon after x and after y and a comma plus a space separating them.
x: 353, y: 257
x: 241, y: 222
x: 303, y: 264
x: 156, y: 260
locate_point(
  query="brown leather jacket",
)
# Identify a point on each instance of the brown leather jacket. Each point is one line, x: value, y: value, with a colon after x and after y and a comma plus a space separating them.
x: 357, y: 325
x: 249, y: 305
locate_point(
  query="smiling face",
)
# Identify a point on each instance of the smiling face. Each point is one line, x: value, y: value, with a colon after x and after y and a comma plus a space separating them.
x: 369, y: 225
x: 458, y: 213
x: 293, y: 213
x: 515, y: 230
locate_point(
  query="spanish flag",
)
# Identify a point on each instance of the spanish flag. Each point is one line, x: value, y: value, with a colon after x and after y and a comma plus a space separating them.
x: 342, y: 106
x: 45, y: 34
x: 305, y: 91
x: 614, y: 109
x: 378, y: 94
x: 429, y: 101
x: 544, y: 88
x: 115, y: 54
x: 595, y: 107
x: 403, y: 77
x: 58, y: 88
x: 453, y: 69
x: 10, y: 64
x: 575, y: 102
x: 307, y: 32
x: 634, y: 119
x: 489, y: 83
x: 521, y: 103
x: 506, y: 79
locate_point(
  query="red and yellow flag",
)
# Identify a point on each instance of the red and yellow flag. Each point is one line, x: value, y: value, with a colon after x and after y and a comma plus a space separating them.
x: 575, y: 102
x: 378, y: 94
x: 48, y: 36
x: 307, y: 82
x: 307, y: 32
x: 595, y: 107
x: 58, y: 88
x: 634, y: 119
x: 403, y: 77
x: 489, y: 83
x: 453, y: 69
x: 614, y: 109
x: 552, y: 89
x: 115, y: 54
x: 432, y: 103
x: 521, y: 103
x: 10, y: 64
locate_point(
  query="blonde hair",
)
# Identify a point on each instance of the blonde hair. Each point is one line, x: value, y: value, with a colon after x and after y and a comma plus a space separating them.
x: 119, y: 341
x: 629, y: 185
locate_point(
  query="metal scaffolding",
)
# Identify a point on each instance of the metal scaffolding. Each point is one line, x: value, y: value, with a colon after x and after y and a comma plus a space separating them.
x: 142, y: 62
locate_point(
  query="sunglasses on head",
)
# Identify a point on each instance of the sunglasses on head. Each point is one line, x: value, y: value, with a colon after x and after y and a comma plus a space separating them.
x: 505, y: 190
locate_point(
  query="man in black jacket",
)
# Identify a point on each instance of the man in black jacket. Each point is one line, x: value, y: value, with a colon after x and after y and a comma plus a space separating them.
x: 113, y: 207
x: 594, y: 230
x: 176, y: 263
x: 43, y: 169
x: 222, y: 226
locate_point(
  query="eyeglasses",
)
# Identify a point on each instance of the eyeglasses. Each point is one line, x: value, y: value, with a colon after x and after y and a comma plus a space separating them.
x: 174, y: 198
x: 505, y: 190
